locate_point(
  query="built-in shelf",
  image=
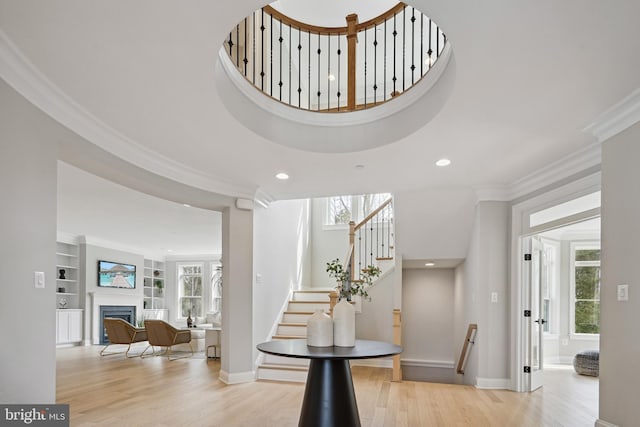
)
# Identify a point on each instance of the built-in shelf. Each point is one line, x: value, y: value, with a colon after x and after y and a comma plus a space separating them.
x: 154, y: 284
x: 67, y: 275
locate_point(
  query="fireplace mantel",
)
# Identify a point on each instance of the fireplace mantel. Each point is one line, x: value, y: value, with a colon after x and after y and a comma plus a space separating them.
x: 111, y: 298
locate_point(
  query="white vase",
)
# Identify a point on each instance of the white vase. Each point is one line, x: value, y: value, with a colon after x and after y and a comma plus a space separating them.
x: 319, y: 330
x: 344, y: 324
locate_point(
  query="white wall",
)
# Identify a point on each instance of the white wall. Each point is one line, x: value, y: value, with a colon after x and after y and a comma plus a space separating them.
x: 619, y: 340
x: 485, y: 272
x: 375, y: 321
x: 281, y: 260
x: 427, y: 323
x: 433, y: 224
x: 327, y: 243
x: 28, y: 150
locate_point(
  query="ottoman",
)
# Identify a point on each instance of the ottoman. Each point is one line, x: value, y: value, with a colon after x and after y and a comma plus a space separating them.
x: 587, y: 362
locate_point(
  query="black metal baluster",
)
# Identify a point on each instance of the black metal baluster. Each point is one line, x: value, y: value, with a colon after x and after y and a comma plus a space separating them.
x: 299, y: 68
x: 413, y: 44
x: 280, y: 40
x: 375, y: 64
x: 230, y: 44
x: 238, y: 46
x: 430, y: 51
x: 395, y: 34
x: 262, y: 28
x: 245, y: 60
x: 371, y: 244
x: 377, y: 222
x: 339, y: 58
x: 319, y: 52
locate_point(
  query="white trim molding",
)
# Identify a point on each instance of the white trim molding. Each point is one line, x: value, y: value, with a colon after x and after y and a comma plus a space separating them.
x: 236, y: 377
x: 493, y: 383
x: 619, y: 117
x: 373, y: 363
x: 423, y: 363
x: 18, y: 71
x: 602, y: 423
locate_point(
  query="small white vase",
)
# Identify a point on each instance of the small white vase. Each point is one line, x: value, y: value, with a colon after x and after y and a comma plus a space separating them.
x: 344, y: 324
x: 319, y: 330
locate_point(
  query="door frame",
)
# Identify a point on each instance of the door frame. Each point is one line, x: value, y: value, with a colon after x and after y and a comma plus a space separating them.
x: 520, y: 229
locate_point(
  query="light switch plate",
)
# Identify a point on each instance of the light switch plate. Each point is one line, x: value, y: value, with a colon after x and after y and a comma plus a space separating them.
x: 38, y: 279
x: 494, y: 297
x: 623, y: 292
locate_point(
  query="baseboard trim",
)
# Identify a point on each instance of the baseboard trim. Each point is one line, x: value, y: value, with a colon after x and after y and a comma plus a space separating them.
x: 602, y: 423
x: 493, y: 383
x: 237, y: 377
x: 422, y: 363
x: 373, y: 363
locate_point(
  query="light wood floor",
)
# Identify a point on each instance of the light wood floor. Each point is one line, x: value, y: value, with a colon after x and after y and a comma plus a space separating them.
x: 114, y: 391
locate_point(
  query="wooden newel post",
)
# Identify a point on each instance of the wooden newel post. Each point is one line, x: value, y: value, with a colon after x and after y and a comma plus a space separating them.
x: 352, y: 39
x: 333, y: 300
x: 397, y: 340
x: 352, y: 241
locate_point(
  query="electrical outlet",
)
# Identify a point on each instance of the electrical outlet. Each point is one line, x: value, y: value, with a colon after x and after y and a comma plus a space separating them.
x: 494, y: 297
x: 623, y: 292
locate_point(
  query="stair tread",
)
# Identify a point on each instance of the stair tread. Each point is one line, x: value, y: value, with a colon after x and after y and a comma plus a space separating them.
x: 292, y: 324
x: 308, y: 302
x: 314, y: 291
x: 299, y: 312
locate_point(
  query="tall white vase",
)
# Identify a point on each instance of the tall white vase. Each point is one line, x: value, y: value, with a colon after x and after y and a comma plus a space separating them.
x: 319, y: 330
x: 344, y: 324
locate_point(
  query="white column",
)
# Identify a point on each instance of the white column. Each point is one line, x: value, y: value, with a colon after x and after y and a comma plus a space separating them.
x: 237, y: 296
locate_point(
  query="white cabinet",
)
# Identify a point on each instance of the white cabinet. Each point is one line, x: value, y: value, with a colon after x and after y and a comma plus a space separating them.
x: 67, y: 275
x: 69, y: 326
x: 153, y: 284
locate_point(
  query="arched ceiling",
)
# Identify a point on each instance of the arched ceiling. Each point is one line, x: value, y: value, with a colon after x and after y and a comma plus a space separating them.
x: 529, y: 77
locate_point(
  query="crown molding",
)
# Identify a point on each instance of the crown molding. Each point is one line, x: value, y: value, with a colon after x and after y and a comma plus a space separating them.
x: 31, y: 83
x: 557, y: 171
x: 619, y: 117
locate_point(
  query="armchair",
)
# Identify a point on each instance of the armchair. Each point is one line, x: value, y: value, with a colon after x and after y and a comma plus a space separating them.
x: 162, y: 334
x: 120, y: 331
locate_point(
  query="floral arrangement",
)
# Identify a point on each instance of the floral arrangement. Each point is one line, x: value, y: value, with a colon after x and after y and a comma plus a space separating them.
x: 347, y: 288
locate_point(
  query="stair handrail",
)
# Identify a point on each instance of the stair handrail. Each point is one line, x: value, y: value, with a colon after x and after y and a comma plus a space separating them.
x: 469, y: 340
x: 355, y: 228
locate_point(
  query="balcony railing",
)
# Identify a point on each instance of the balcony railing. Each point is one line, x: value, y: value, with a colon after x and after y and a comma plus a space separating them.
x: 335, y: 69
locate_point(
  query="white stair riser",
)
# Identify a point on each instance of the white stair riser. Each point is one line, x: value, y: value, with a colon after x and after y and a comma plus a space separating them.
x: 271, y: 359
x: 295, y: 318
x: 311, y: 296
x: 282, y: 375
x: 299, y: 331
x: 300, y: 306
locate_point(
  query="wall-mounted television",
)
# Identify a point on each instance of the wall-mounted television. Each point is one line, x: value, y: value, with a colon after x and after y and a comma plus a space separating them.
x: 116, y: 275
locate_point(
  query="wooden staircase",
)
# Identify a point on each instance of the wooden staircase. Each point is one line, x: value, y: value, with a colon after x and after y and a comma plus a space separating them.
x: 293, y: 325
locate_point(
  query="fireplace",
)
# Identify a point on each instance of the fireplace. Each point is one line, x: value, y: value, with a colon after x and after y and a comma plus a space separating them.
x: 125, y: 312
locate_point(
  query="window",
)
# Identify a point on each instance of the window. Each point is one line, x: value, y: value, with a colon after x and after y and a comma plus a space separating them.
x: 190, y: 289
x: 586, y: 288
x: 342, y: 209
x: 548, y: 283
x: 216, y: 292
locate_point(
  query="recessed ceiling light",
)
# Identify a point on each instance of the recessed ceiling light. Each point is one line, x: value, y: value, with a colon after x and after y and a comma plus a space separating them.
x: 169, y: 250
x: 186, y: 205
x: 359, y: 166
x: 443, y: 162
x: 282, y: 175
x: 429, y: 264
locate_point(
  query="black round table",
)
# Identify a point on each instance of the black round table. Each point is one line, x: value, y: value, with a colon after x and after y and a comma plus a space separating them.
x: 329, y: 399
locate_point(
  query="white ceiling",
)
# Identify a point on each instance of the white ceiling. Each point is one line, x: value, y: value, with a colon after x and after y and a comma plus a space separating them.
x: 127, y: 219
x: 530, y: 76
